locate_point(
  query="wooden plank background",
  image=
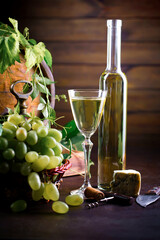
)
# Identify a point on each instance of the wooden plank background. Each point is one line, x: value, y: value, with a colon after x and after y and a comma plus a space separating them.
x: 75, y: 33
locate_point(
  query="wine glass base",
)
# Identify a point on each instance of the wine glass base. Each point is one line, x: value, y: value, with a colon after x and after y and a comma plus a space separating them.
x: 80, y: 190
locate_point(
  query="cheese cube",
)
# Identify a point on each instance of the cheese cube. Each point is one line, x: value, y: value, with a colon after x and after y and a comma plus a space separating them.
x: 126, y: 182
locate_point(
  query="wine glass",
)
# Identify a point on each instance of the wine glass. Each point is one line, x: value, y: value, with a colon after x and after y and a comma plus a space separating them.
x: 87, y: 108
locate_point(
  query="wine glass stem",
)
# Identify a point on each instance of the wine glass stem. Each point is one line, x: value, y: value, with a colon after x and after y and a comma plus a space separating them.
x: 87, y: 147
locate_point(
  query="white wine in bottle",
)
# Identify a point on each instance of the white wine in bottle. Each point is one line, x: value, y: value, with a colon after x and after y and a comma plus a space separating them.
x: 112, y: 128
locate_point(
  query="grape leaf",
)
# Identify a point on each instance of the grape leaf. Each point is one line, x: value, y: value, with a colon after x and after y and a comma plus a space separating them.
x: 9, y: 51
x: 46, y: 80
x: 42, y: 100
x: 35, y: 92
x: 76, y: 142
x: 70, y: 130
x: 45, y: 112
x: 22, y: 40
x: 52, y: 113
x: 5, y: 30
x: 17, y: 108
x: 48, y: 58
x: 34, y: 55
x: 14, y: 23
x: 42, y: 80
x: 40, y: 106
x: 42, y: 88
x: 32, y: 41
x: 71, y: 133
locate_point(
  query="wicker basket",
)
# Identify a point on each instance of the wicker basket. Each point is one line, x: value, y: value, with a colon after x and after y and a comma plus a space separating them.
x: 14, y: 186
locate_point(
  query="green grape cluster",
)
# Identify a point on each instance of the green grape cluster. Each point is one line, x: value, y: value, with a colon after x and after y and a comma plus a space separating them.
x: 28, y: 145
x: 30, y: 148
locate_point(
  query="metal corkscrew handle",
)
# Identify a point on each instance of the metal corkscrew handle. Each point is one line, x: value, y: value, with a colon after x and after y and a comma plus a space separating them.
x: 22, y: 97
x: 117, y: 199
x: 98, y: 203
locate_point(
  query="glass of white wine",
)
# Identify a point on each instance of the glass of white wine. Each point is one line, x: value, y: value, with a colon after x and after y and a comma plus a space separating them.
x: 87, y: 108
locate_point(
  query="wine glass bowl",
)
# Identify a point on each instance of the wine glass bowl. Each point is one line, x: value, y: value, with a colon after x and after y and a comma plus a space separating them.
x: 87, y: 108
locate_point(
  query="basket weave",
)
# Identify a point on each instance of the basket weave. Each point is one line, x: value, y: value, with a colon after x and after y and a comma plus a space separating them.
x: 58, y: 170
x: 14, y: 186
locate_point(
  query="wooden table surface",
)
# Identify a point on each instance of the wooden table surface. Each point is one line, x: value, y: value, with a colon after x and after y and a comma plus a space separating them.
x: 105, y: 222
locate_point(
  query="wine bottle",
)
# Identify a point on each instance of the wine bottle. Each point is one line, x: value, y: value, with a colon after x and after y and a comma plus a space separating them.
x: 112, y: 128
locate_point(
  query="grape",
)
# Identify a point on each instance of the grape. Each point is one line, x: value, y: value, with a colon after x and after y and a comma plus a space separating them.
x: 45, y: 194
x: 37, y: 195
x: 18, y: 206
x: 41, y: 163
x: 52, y: 191
x: 38, y: 147
x: 48, y: 151
x: 57, y: 149
x: 54, y: 162
x: 37, y: 124
x: 60, y: 207
x: 21, y: 134
x: 10, y: 126
x: 61, y: 156
x: 3, y: 143
x: 49, y: 142
x: 7, y: 133
x: 34, y: 181
x: 42, y: 131
x: 8, y: 154
x: 32, y: 138
x: 21, y: 150
x: 74, y: 200
x: 31, y: 156
x: 4, y: 167
x: 40, y: 122
x: 27, y: 126
x: 15, y: 119
x: 55, y: 134
x: 25, y: 169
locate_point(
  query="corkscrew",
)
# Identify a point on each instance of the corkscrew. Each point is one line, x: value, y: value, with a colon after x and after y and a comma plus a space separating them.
x: 101, y: 198
x: 99, y: 203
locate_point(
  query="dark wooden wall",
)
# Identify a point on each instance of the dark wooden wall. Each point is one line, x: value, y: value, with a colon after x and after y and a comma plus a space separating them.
x: 75, y: 33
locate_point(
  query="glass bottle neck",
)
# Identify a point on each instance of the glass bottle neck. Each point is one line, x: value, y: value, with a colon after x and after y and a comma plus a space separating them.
x: 114, y: 46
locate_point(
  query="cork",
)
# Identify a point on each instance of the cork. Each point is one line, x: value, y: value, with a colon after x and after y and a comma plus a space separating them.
x: 93, y: 193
